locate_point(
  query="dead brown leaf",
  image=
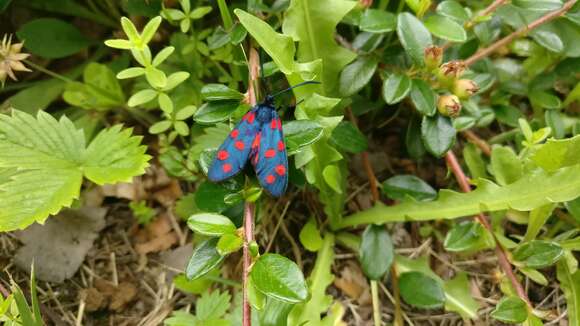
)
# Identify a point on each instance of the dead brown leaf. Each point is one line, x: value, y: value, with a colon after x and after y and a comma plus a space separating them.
x: 353, y: 283
x: 106, y: 295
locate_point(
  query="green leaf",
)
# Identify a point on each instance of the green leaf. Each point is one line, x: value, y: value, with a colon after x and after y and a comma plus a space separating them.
x: 205, y: 258
x: 212, y: 305
x: 377, y: 21
x: 100, y: 90
x: 4, y: 4
x: 163, y: 55
x: 51, y: 38
x: 217, y: 92
x: 150, y: 29
x: 573, y: 208
x: 531, y: 191
x: 545, y: 100
x: 511, y: 310
x: 376, y: 252
x: 347, y: 137
x: 454, y: 10
x: 310, y: 236
x: 160, y: 127
x: 396, y: 87
x: 332, y: 177
x: 506, y: 165
x: 142, y: 97
x: 468, y: 236
x: 211, y: 224
x: 278, y: 46
x: 278, y: 277
x: 538, y: 253
x: 537, y: 219
x: 229, y: 243
x: 555, y: 154
x: 445, y: 28
x: 210, y: 196
x: 421, y: 291
x: 423, y: 97
x: 52, y: 157
x: 131, y: 73
x: 213, y: 112
x: 414, y: 36
x: 156, y: 77
x: 570, y: 285
x: 402, y: 187
x: 438, y: 134
x: 301, y: 133
x: 356, y: 75
x: 199, y: 12
x: 459, y: 298
x: 474, y: 161
x: 413, y: 141
x: 313, y: 25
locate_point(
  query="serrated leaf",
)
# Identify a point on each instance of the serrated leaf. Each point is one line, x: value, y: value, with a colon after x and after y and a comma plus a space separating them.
x: 212, y: 305
x: 532, y: 190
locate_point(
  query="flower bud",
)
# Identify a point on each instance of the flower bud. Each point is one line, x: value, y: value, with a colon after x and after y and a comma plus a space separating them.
x: 450, y: 71
x: 464, y: 88
x: 449, y: 105
x: 433, y: 57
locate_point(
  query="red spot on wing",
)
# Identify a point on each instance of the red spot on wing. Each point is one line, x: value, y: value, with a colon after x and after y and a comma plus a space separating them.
x: 280, y: 169
x: 222, y: 155
x: 270, y: 153
x: 270, y: 179
x: 250, y: 117
x: 256, y: 142
x: 273, y: 124
x: 281, y: 146
x: 235, y: 133
x: 226, y: 167
x: 239, y: 145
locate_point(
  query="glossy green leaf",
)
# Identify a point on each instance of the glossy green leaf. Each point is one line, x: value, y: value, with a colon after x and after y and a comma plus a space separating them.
x: 445, y: 28
x: 555, y: 154
x: 396, y: 87
x: 423, y: 97
x: 278, y: 277
x: 218, y: 92
x: 210, y: 196
x: 421, y: 291
x: 453, y: 10
x: 204, y: 259
x: 142, y: 97
x: 506, y: 165
x: 211, y: 224
x: 300, y: 133
x: 438, y: 134
x: 511, y: 310
x: 377, y: 21
x: 376, y: 252
x: 531, y: 191
x: 214, y: 112
x: 468, y: 236
x: 51, y: 38
x: 545, y: 100
x: 459, y: 298
x: 347, y: 137
x: 229, y: 243
x: 402, y: 187
x: 332, y: 177
x: 356, y: 75
x: 310, y: 236
x: 413, y: 141
x: 414, y: 36
x: 538, y: 253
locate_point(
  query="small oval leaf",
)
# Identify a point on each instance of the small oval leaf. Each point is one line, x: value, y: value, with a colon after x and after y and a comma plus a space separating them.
x: 279, y: 277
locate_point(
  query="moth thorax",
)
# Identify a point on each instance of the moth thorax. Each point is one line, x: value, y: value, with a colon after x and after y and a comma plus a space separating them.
x: 264, y: 113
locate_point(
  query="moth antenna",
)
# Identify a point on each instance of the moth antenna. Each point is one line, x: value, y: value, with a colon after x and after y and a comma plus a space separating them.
x: 271, y: 97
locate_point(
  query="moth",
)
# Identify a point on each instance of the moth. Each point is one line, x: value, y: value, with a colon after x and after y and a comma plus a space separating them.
x: 257, y: 138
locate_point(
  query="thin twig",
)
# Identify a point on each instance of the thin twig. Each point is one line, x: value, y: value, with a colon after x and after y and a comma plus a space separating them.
x: 499, y: 250
x: 520, y: 32
x: 475, y: 140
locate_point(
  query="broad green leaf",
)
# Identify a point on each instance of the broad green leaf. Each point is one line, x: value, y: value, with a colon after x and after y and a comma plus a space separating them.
x: 555, y: 154
x: 229, y: 243
x: 423, y: 97
x: 531, y: 191
x: 538, y: 253
x: 474, y: 161
x: 445, y: 28
x: 52, y: 157
x: 279, y: 277
x: 402, y: 187
x: 468, y: 236
x: 100, y: 90
x: 545, y: 100
x: 300, y: 133
x: 278, y: 46
x: 275, y: 312
x: 570, y: 285
x: 51, y: 38
x: 506, y: 165
x: 454, y: 10
x: 511, y: 310
x: 218, y: 92
x: 313, y: 25
x: 396, y: 87
x: 414, y: 36
x: 213, y: 112
x: 573, y: 208
x: 310, y: 236
x: 421, y: 291
x: 211, y: 224
x: 347, y: 137
x: 210, y: 197
x: 356, y: 75
x: 256, y: 298
x: 377, y: 21
x: 37, y: 97
x: 205, y: 258
x: 537, y: 219
x: 438, y: 134
x: 332, y: 177
x: 376, y: 252
x: 459, y: 298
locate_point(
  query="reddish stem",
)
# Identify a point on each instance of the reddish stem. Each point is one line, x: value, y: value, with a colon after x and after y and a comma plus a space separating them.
x: 474, y: 139
x: 499, y: 250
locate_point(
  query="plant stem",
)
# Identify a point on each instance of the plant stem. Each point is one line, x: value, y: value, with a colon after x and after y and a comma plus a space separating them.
x: 376, y: 304
x: 474, y: 139
x: 491, y: 8
x: 499, y: 250
x: 48, y: 72
x: 520, y: 32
